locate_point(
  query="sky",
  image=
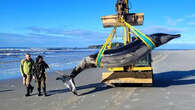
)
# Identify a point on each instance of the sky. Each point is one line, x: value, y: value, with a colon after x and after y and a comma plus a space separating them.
x: 77, y: 23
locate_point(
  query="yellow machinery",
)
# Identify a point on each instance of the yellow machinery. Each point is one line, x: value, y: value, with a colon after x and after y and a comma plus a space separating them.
x: 139, y: 73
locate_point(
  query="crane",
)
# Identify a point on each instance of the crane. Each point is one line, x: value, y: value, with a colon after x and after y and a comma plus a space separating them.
x: 139, y: 73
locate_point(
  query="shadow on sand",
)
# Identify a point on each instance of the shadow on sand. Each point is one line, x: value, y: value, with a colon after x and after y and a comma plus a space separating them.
x: 7, y: 90
x: 163, y: 79
x: 172, y: 78
x: 97, y: 87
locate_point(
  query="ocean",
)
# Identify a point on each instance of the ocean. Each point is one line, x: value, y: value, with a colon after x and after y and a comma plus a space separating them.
x: 57, y: 58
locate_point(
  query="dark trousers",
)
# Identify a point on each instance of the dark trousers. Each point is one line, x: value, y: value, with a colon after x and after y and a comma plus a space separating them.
x: 40, y: 83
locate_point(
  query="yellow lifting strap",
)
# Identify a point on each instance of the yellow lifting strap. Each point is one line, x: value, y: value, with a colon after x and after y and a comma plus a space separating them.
x: 125, y: 36
x: 145, y: 39
x: 128, y: 35
x: 110, y: 43
x: 101, y: 52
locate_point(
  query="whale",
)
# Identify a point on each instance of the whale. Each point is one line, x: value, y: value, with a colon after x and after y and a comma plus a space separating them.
x: 118, y: 57
x: 123, y: 56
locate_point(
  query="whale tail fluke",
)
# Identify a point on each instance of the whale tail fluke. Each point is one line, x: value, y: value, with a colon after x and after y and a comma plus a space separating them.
x: 69, y: 83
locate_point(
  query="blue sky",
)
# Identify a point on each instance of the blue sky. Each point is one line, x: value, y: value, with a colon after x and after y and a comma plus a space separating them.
x: 77, y: 23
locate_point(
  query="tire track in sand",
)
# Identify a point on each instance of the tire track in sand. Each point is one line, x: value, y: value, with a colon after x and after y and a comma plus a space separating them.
x: 118, y: 99
x: 159, y: 58
x: 71, y: 103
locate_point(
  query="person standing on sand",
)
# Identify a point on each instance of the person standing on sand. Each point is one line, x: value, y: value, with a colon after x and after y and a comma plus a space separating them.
x: 40, y: 75
x: 26, y: 72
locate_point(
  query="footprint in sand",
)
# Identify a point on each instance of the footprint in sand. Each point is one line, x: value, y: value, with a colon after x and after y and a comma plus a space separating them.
x: 167, y: 97
x: 106, y: 101
x: 135, y: 100
x: 171, y: 103
x: 135, y: 94
x: 162, y: 89
x: 168, y: 93
x: 12, y: 86
x: 127, y: 106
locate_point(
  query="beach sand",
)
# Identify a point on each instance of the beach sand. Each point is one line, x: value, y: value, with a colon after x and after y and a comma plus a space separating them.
x: 174, y: 89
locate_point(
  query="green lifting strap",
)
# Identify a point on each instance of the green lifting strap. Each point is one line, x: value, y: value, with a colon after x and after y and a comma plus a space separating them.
x: 145, y: 39
x: 99, y: 57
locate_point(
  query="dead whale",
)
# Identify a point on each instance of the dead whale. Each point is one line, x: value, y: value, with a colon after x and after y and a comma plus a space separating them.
x: 123, y: 56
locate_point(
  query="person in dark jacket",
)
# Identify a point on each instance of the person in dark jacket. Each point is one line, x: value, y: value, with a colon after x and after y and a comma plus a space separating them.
x: 40, y: 75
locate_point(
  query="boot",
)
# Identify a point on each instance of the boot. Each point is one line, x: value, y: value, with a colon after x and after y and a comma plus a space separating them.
x: 39, y: 91
x: 44, y: 92
x: 31, y: 88
x: 27, y: 91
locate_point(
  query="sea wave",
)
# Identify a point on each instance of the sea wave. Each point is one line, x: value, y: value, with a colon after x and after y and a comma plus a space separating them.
x: 21, y: 49
x: 57, y: 58
x: 4, y: 52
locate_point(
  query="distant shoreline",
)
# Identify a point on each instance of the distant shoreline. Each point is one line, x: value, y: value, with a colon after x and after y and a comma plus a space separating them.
x: 91, y: 47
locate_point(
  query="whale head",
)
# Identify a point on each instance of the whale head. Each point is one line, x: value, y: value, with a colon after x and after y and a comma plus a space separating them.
x: 162, y: 38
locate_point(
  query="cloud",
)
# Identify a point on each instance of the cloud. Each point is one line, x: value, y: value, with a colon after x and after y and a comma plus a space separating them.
x: 161, y: 29
x: 191, y: 16
x: 36, y: 40
x: 16, y: 40
x: 86, y: 37
x: 42, y: 35
x: 174, y: 22
x: 49, y: 37
x: 191, y: 23
x: 66, y: 32
x: 10, y: 35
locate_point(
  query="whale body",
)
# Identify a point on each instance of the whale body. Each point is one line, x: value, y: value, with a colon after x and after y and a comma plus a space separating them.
x: 123, y: 56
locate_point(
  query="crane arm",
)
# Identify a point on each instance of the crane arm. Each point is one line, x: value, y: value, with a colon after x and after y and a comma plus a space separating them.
x: 122, y: 7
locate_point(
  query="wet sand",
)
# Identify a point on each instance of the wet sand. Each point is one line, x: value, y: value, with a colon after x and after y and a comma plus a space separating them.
x: 174, y: 89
